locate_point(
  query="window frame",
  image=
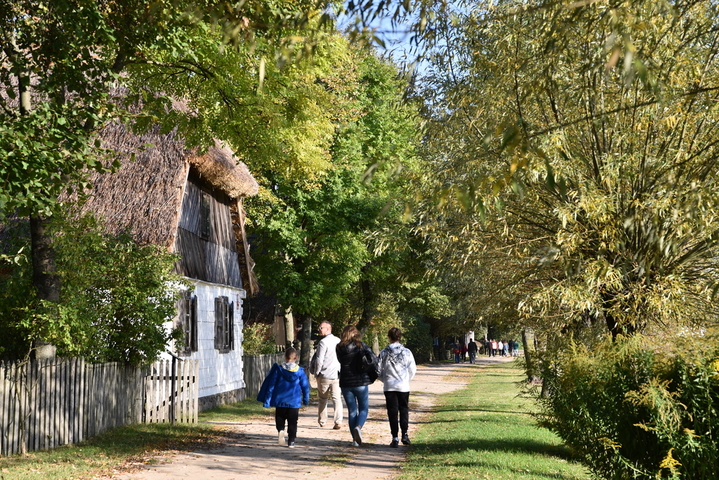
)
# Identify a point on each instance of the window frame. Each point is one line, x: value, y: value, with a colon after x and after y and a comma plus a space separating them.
x: 224, y: 324
x: 188, y: 323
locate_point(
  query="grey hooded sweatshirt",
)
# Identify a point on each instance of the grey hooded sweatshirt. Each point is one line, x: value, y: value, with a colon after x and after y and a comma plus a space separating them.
x: 396, y: 367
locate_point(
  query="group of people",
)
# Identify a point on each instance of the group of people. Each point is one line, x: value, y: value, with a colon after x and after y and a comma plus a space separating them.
x: 503, y: 348
x: 347, y: 365
x: 462, y: 350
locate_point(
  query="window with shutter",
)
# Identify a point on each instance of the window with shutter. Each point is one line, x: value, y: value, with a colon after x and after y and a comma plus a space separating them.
x: 224, y: 325
x: 188, y: 322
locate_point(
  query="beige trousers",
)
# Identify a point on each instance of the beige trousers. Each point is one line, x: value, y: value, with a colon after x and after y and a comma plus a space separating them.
x: 325, y: 387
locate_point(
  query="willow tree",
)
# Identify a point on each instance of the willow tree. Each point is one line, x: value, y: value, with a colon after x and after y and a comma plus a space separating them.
x: 575, y: 154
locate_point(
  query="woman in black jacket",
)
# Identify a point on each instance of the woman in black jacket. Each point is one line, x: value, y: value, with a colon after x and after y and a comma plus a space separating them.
x: 352, y: 352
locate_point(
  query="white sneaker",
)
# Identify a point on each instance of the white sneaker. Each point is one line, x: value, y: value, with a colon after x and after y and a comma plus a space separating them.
x: 281, y: 438
x: 355, y: 444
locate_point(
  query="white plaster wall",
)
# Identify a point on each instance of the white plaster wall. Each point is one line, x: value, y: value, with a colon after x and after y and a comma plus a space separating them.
x: 219, y: 372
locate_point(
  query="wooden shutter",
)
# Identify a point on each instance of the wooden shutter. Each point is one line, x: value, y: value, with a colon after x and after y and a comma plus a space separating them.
x: 231, y: 321
x: 218, y: 323
x: 193, y: 323
x: 181, y: 320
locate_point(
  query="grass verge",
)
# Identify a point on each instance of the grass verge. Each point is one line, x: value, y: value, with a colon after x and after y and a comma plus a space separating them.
x: 485, y: 431
x: 127, y: 447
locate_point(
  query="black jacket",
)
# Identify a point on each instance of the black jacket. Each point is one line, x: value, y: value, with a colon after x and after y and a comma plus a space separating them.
x: 350, y: 357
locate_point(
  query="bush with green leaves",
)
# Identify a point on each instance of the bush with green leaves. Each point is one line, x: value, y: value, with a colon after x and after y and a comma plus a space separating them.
x: 258, y: 339
x: 637, y: 407
x: 116, y: 297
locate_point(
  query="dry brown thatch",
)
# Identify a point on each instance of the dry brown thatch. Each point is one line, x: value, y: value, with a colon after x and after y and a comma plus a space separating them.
x: 146, y: 194
x: 221, y: 169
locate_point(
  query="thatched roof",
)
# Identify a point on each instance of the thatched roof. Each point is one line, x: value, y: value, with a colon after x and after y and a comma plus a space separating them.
x: 221, y: 169
x: 145, y: 194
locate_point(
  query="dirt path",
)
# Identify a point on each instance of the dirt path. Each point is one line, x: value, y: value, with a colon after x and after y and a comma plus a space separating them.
x: 251, y: 451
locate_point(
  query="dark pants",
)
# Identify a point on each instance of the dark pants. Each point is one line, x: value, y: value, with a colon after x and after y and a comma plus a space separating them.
x: 291, y: 415
x: 397, y: 403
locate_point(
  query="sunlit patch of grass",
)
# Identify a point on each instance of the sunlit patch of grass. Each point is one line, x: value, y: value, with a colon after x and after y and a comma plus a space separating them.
x: 485, y: 431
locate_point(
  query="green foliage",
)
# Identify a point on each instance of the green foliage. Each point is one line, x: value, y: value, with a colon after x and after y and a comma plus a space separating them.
x: 637, y: 407
x: 117, y: 296
x: 275, y: 119
x: 418, y: 339
x: 258, y: 339
x: 573, y: 150
x: 315, y: 235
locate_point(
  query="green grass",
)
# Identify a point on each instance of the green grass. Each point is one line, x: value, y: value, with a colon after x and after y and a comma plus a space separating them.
x: 485, y: 431
x: 133, y: 443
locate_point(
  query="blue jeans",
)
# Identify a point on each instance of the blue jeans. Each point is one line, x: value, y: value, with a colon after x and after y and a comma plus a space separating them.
x: 357, y: 400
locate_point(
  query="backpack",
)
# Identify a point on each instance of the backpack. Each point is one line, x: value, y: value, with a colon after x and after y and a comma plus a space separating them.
x: 313, y: 363
x: 369, y: 366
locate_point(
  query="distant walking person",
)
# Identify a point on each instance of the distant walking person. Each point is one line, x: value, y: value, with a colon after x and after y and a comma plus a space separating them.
x: 396, y: 369
x: 357, y: 362
x: 472, y: 350
x: 286, y: 388
x: 326, y: 369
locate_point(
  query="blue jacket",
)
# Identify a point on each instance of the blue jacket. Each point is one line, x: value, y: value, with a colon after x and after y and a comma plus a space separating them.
x: 285, y: 386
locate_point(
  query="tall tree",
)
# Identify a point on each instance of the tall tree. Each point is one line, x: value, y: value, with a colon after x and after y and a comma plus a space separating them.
x: 315, y: 235
x: 65, y: 65
x: 578, y: 170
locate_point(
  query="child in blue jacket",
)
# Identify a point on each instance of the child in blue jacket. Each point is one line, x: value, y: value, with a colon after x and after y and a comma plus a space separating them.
x: 286, y: 388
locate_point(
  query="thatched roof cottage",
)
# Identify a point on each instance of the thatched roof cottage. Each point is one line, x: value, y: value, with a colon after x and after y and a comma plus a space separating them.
x: 191, y: 204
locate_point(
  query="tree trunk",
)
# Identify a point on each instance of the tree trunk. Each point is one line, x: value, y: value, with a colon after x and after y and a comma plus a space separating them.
x: 530, y: 355
x: 44, y: 274
x: 306, y: 341
x: 367, y: 306
x: 289, y: 328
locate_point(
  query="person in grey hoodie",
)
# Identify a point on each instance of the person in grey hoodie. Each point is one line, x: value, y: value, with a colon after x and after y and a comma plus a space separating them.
x: 326, y: 369
x: 396, y: 368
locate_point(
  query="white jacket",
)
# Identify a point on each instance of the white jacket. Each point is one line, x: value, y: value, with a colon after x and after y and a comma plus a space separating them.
x: 396, y: 367
x: 327, y: 366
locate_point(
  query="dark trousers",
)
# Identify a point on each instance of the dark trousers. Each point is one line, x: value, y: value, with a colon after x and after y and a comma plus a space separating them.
x: 397, y: 405
x: 290, y: 415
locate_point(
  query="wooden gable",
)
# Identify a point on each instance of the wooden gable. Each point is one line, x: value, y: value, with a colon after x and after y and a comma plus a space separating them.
x: 205, y: 238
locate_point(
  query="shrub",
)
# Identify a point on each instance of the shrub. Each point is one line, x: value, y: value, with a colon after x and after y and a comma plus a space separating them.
x: 418, y: 339
x: 116, y: 297
x: 258, y: 339
x: 635, y: 409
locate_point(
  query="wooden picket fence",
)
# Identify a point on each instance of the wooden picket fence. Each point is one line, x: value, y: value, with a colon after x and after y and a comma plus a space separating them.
x: 47, y: 403
x: 165, y: 377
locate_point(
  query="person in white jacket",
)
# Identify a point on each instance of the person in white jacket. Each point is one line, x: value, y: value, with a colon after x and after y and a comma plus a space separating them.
x: 326, y: 367
x: 396, y: 368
